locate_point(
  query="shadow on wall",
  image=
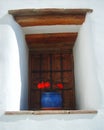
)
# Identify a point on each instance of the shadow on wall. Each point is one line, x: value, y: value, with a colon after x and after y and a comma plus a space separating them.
x: 22, y: 69
x: 88, y: 91
x: 23, y: 56
x: 10, y: 76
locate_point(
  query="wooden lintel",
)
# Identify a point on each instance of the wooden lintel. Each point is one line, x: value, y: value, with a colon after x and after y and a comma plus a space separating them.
x: 51, y: 11
x: 62, y: 41
x: 36, y: 17
x: 51, y: 37
x: 50, y: 20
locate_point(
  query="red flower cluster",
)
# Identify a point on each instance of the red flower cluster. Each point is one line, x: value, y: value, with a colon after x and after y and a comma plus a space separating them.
x: 43, y: 85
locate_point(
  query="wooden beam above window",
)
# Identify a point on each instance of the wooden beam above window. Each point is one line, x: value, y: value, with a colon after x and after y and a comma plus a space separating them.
x: 51, y: 41
x: 36, y: 17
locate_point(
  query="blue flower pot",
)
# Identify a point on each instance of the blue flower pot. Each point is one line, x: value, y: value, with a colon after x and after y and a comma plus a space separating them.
x: 51, y: 100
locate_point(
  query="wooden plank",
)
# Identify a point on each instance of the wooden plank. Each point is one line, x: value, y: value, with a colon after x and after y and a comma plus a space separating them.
x: 44, y: 112
x: 52, y: 40
x: 50, y: 50
x: 50, y: 47
x: 51, y: 37
x: 48, y: 11
x: 36, y: 17
x: 50, y: 20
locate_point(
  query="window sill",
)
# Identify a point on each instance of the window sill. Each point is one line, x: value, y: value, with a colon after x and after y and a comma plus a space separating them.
x: 44, y: 112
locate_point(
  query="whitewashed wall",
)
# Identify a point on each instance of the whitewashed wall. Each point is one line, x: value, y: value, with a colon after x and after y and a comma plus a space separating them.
x: 19, y: 98
x: 96, y: 50
x: 9, y: 70
x: 88, y: 91
x: 12, y: 43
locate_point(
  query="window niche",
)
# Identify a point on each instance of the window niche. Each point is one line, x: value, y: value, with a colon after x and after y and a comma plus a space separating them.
x: 51, y: 58
x: 54, y: 49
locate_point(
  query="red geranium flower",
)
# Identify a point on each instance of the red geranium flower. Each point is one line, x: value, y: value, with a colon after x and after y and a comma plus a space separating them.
x: 60, y: 85
x: 47, y: 84
x: 41, y: 85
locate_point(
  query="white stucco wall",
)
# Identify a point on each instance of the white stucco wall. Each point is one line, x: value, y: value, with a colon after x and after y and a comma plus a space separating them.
x: 22, y: 55
x: 93, y: 53
x: 53, y: 122
x: 9, y: 70
x: 88, y: 91
x: 12, y: 44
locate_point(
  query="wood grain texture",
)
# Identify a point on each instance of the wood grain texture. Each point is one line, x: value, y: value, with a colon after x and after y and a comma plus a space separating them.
x: 62, y: 41
x: 50, y: 20
x: 36, y: 17
x: 48, y: 11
